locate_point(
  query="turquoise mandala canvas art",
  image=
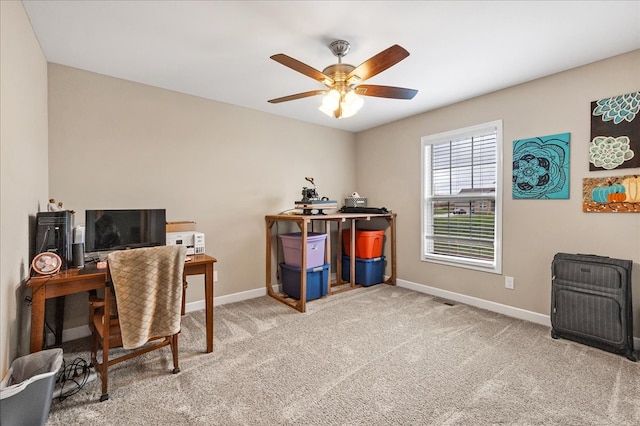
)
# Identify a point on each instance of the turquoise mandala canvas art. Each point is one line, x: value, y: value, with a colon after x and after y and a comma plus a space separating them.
x: 541, y: 167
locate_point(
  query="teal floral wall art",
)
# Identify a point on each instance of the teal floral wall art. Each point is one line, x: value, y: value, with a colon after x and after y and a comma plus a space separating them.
x: 615, y: 132
x: 541, y: 167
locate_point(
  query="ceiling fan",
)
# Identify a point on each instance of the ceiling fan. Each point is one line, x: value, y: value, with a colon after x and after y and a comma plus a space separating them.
x: 341, y: 95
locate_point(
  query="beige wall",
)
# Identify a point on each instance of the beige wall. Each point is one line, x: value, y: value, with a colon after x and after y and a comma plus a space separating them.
x: 389, y: 159
x: 119, y: 144
x: 23, y: 175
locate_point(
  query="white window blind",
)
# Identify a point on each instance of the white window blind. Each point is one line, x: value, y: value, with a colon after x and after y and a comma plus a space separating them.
x: 461, y: 197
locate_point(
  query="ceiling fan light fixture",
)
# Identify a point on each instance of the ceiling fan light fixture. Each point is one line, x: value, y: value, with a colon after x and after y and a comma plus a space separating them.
x: 350, y: 104
x: 326, y: 110
x: 330, y: 102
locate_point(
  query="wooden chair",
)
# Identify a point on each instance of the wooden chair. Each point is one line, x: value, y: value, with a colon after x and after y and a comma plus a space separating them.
x: 148, y: 288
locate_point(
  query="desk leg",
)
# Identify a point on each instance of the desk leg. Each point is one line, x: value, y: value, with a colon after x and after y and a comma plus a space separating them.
x: 59, y: 319
x: 185, y: 284
x: 208, y: 295
x: 37, y: 319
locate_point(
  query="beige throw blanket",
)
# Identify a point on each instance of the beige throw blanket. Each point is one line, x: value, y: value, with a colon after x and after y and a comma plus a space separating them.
x: 148, y: 288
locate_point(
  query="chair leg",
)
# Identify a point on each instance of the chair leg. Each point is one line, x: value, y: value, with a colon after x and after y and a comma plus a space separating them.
x: 101, y: 367
x: 174, y: 352
x: 104, y: 375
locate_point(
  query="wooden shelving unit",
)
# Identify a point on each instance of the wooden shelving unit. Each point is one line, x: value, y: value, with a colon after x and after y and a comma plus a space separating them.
x: 305, y: 222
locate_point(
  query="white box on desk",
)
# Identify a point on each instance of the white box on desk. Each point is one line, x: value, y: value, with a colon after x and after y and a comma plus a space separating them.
x: 192, y: 240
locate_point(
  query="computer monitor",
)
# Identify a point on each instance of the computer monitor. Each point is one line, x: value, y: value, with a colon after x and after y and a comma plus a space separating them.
x: 110, y: 230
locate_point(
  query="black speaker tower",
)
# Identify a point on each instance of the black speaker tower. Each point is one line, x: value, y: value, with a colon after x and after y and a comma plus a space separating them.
x: 54, y: 234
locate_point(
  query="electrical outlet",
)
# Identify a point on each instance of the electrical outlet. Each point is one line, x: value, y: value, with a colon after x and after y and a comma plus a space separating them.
x: 508, y: 283
x: 215, y: 276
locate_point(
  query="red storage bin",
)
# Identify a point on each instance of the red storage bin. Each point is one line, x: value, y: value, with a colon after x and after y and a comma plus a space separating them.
x: 368, y: 243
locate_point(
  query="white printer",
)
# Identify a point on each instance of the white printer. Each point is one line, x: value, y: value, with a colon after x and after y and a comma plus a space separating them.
x: 192, y: 240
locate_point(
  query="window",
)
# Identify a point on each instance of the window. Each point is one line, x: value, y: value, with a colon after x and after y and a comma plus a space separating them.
x: 462, y: 197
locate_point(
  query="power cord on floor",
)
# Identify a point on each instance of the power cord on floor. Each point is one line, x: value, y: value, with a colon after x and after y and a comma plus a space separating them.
x: 71, y: 378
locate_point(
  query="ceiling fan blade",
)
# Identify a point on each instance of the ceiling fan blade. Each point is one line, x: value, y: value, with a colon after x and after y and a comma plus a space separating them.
x: 297, y: 96
x: 376, y: 64
x: 385, y: 91
x: 303, y: 68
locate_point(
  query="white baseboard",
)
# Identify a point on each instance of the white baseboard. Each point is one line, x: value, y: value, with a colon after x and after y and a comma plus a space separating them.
x: 479, y: 303
x: 83, y: 331
x: 488, y: 305
x: 70, y: 334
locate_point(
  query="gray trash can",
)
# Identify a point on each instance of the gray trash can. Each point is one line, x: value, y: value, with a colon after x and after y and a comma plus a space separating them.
x: 27, y: 388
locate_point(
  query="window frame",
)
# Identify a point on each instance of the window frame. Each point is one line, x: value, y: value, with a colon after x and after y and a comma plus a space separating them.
x: 426, y: 215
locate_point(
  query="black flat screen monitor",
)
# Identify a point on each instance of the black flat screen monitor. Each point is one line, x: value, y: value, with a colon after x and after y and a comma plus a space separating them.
x: 110, y: 230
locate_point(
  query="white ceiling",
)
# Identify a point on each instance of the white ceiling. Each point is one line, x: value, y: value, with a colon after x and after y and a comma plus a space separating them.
x: 220, y: 49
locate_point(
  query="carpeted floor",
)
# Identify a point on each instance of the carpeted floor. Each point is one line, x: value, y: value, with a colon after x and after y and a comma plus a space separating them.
x: 373, y: 356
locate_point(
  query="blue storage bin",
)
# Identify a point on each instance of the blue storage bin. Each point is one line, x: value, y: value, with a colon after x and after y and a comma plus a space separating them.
x: 368, y: 271
x: 317, y: 281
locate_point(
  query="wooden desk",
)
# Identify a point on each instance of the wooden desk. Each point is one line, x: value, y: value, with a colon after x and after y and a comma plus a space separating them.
x: 76, y: 280
x: 303, y: 222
